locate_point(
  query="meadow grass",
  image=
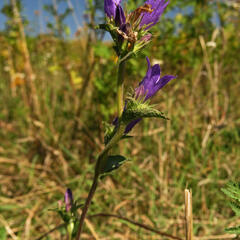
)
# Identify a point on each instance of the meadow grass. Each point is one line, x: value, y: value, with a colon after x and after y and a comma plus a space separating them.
x: 198, y: 148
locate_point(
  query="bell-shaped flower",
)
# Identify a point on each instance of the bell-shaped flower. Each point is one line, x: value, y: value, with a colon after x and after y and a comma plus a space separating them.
x: 148, y: 87
x: 152, y: 82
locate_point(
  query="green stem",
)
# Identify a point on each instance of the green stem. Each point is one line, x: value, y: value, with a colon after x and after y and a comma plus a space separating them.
x: 120, y: 80
x: 86, y: 206
x: 99, y: 169
x: 92, y: 191
x: 69, y: 230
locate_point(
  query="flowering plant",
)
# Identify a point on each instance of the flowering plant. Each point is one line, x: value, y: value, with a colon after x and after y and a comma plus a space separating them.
x: 130, y: 33
x: 67, y: 210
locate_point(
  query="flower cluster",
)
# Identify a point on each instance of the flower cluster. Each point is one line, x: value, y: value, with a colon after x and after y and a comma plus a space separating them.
x: 132, y: 27
x: 143, y: 17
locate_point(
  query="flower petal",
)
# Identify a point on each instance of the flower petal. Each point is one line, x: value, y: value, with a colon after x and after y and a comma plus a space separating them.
x: 152, y: 82
x: 149, y: 66
x: 130, y: 126
x: 148, y: 74
x: 120, y: 18
x: 110, y: 7
x: 161, y: 83
x: 164, y: 80
x: 153, y: 17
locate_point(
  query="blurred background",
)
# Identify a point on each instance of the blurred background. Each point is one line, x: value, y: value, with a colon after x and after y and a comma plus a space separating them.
x: 58, y: 86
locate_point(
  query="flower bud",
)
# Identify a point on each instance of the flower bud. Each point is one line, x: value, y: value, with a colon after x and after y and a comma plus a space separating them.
x: 120, y: 18
x: 68, y: 199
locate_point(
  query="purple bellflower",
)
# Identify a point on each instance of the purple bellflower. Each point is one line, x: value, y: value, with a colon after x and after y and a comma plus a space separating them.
x: 152, y: 82
x: 110, y: 7
x: 151, y: 17
x: 148, y: 87
x: 142, y: 18
x: 68, y: 199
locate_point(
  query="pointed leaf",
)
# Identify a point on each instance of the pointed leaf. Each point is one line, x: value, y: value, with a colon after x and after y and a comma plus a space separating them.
x: 235, y: 230
x: 126, y: 137
x: 109, y: 131
x: 136, y: 109
x: 113, y: 162
x: 235, y: 207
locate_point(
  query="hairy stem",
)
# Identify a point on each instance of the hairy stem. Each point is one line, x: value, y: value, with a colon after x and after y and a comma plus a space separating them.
x: 99, y: 169
x: 86, y: 206
x: 120, y: 80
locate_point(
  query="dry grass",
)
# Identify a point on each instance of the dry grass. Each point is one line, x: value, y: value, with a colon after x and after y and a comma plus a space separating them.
x: 198, y: 148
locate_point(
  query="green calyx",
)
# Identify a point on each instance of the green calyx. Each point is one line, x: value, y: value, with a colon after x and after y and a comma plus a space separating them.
x: 136, y: 109
x: 124, y: 46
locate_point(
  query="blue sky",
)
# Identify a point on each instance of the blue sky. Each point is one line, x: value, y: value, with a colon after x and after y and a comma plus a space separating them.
x: 37, y: 23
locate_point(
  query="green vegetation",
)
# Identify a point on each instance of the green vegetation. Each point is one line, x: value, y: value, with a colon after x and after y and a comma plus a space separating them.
x: 52, y: 108
x: 232, y: 190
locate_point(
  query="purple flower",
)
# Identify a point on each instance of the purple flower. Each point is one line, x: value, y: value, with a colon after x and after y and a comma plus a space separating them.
x: 120, y: 18
x: 149, y: 86
x: 151, y: 16
x: 110, y: 7
x: 152, y: 82
x: 68, y: 199
x: 130, y: 126
x: 129, y: 26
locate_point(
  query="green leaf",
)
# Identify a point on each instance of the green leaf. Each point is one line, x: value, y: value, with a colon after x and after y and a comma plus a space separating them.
x: 136, y: 109
x: 232, y: 190
x: 235, y: 207
x: 3, y: 233
x: 107, y: 27
x: 126, y: 137
x: 235, y: 230
x: 108, y: 132
x: 113, y: 162
x: 8, y: 207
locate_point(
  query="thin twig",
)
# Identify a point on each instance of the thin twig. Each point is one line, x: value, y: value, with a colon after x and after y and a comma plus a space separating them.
x: 136, y: 223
